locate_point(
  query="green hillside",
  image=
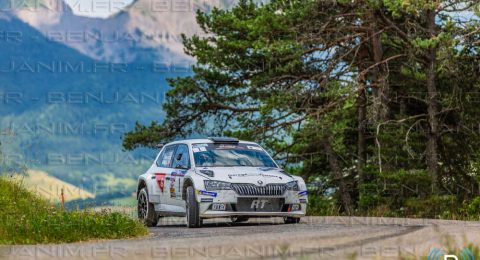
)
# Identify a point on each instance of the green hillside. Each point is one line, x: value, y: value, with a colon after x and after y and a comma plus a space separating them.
x: 49, y: 187
x: 28, y: 219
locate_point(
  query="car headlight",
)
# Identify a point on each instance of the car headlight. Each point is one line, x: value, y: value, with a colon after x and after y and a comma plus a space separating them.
x: 293, y: 185
x: 209, y: 173
x: 217, y: 185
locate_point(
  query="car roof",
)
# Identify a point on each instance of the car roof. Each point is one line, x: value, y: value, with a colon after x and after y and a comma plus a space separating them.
x: 203, y: 141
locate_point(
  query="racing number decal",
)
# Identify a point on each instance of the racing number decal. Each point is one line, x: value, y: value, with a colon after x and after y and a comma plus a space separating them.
x: 176, y: 176
x: 160, y: 177
x: 258, y: 204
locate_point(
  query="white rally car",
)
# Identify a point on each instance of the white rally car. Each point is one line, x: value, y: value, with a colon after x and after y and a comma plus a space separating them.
x: 218, y: 177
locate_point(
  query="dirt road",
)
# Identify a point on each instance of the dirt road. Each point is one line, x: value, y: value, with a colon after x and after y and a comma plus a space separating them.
x: 313, y: 238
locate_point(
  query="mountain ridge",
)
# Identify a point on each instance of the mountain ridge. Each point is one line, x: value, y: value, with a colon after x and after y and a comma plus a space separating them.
x: 141, y: 32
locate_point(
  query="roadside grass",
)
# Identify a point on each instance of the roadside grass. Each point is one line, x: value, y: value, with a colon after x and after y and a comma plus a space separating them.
x: 125, y: 201
x: 25, y: 218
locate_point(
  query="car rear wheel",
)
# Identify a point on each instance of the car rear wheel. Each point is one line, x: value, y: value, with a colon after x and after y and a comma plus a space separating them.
x: 146, y: 210
x: 192, y: 210
x: 291, y: 220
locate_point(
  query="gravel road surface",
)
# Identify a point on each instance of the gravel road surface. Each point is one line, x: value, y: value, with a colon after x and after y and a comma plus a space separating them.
x: 313, y: 238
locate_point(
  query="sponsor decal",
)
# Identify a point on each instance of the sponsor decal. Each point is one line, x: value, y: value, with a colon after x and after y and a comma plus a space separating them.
x: 266, y: 169
x: 199, y: 149
x: 253, y: 175
x: 303, y: 193
x: 180, y: 173
x: 172, y: 187
x: 207, y: 193
x: 226, y: 146
x: 269, y: 176
x: 238, y: 175
x: 259, y: 204
x: 160, y: 177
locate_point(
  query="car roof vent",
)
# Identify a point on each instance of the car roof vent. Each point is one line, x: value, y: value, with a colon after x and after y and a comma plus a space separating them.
x: 224, y: 140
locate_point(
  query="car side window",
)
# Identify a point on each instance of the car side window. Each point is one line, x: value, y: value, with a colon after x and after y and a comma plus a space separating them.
x: 165, y: 158
x: 181, y: 160
x: 159, y: 158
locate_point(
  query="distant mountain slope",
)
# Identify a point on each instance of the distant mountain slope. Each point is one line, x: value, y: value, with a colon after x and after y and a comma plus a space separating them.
x: 23, y: 61
x: 68, y: 111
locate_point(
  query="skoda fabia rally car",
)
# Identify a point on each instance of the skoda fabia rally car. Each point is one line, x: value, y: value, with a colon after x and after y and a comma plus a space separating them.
x: 218, y: 177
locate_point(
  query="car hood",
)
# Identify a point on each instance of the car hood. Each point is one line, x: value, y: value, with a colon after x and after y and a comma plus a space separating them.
x: 254, y: 175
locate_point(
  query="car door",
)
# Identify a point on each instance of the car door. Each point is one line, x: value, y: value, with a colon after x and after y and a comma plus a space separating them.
x: 162, y: 173
x: 180, y: 167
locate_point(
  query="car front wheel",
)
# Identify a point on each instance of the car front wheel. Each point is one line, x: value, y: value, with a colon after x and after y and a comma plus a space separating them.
x: 146, y: 210
x: 192, y: 210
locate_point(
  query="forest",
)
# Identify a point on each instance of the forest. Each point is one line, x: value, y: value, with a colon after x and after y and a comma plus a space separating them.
x: 374, y: 102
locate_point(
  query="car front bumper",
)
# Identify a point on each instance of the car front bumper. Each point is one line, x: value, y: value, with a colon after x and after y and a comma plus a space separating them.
x: 237, y: 205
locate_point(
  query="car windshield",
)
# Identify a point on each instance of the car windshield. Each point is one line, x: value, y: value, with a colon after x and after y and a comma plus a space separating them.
x: 230, y: 155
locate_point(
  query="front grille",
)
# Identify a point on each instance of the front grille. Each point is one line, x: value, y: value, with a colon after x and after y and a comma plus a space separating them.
x: 253, y: 190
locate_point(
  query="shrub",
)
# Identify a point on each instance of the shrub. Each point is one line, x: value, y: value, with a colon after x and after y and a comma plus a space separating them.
x: 473, y: 208
x: 322, y: 206
x: 434, y: 206
x: 27, y: 219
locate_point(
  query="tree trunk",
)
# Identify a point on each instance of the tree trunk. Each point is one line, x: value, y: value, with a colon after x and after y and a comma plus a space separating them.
x: 361, y: 143
x: 432, y: 102
x: 381, y: 88
x: 337, y: 175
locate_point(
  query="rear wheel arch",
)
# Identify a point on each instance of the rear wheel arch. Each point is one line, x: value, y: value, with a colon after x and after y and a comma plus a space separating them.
x: 141, y: 184
x: 146, y: 210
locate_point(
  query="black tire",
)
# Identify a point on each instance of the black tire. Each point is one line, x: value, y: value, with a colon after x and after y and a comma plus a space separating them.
x: 146, y: 210
x: 291, y: 220
x: 193, y: 211
x: 239, y: 219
